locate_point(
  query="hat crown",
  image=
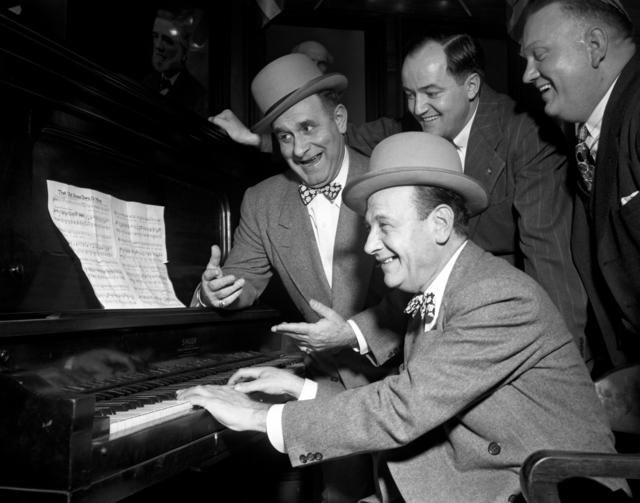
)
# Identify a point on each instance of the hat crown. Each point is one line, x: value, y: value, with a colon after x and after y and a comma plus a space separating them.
x: 282, y: 77
x: 415, y: 150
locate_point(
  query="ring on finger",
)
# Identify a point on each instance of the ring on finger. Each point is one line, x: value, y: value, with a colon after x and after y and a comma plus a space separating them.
x: 222, y: 304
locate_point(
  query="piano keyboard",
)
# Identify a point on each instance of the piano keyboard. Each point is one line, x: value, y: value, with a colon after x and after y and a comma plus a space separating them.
x: 137, y: 400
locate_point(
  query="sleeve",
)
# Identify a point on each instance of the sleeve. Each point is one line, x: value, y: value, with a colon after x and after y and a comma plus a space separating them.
x: 384, y: 326
x: 492, y: 335
x: 544, y: 211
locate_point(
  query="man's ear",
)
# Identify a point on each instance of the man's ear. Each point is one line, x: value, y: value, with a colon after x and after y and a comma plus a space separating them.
x: 473, y: 83
x: 443, y: 220
x: 340, y: 116
x: 597, y: 43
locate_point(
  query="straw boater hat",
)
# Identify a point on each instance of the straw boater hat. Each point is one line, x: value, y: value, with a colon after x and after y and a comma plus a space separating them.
x: 287, y: 81
x: 415, y: 159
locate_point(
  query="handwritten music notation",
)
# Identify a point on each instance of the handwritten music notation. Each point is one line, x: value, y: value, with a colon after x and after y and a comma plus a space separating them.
x: 121, y: 245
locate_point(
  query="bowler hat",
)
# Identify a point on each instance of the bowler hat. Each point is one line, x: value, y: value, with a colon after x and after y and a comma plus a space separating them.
x: 287, y: 81
x: 415, y: 159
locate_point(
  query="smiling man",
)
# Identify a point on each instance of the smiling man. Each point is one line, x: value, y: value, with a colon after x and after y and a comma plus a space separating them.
x: 295, y: 225
x: 582, y: 58
x: 490, y: 372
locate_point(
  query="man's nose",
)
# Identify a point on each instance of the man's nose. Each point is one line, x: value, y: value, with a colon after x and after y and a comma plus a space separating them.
x: 373, y: 243
x: 300, y: 146
x: 530, y: 72
x: 421, y: 104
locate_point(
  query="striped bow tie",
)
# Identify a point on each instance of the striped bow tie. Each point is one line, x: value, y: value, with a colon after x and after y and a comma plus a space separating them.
x: 330, y: 191
x: 424, y: 303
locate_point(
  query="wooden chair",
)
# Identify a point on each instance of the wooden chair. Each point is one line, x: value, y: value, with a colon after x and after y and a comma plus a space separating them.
x: 619, y: 392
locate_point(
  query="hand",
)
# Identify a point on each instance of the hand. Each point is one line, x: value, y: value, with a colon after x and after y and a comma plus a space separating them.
x: 236, y: 130
x: 233, y: 409
x: 267, y: 380
x: 331, y: 332
x: 216, y: 289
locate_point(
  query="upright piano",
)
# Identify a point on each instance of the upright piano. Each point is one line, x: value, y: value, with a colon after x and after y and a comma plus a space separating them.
x: 87, y: 395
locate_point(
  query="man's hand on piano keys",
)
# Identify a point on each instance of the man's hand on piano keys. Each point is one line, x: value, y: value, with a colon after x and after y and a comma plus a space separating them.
x: 330, y: 332
x: 233, y: 409
x: 218, y: 290
x: 269, y: 380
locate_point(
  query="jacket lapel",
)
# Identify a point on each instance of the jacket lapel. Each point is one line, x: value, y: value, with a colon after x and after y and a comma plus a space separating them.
x: 482, y: 162
x: 351, y: 265
x: 294, y: 242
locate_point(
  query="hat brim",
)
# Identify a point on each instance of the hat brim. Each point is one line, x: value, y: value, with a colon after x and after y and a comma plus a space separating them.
x: 357, y: 192
x: 335, y: 81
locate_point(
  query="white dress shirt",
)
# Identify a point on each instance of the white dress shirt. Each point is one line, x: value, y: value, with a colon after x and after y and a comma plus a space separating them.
x: 309, y: 390
x: 462, y: 140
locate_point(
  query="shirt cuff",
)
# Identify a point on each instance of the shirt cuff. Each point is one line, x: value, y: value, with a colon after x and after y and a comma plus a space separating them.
x: 309, y: 390
x: 274, y: 427
x: 363, y: 347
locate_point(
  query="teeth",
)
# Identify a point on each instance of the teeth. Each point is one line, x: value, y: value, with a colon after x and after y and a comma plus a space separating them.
x: 312, y: 160
x: 387, y: 260
x: 431, y: 118
x: 544, y: 88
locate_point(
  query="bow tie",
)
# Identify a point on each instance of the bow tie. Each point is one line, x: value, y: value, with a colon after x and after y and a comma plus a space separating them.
x: 424, y: 303
x: 165, y: 83
x: 330, y: 191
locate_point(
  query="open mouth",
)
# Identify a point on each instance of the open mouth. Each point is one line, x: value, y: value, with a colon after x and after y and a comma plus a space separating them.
x: 388, y: 260
x: 431, y: 118
x: 543, y: 89
x: 311, y: 162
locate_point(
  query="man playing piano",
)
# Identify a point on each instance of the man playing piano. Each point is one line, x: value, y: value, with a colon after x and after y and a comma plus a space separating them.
x: 490, y: 371
x: 296, y: 225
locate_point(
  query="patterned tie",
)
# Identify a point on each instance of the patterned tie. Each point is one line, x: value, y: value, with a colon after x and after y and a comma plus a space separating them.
x: 423, y: 303
x: 586, y: 164
x: 330, y: 191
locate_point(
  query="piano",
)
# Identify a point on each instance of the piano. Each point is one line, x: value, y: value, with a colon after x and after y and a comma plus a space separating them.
x: 88, y: 408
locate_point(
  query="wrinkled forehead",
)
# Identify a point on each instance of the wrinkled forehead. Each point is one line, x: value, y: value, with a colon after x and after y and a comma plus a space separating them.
x: 309, y: 109
x: 390, y: 201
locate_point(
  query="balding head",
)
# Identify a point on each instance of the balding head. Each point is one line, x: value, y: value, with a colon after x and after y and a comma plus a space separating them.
x: 317, y: 52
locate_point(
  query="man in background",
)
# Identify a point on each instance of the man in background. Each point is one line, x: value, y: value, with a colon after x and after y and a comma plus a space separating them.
x: 317, y: 52
x: 582, y: 58
x: 172, y: 33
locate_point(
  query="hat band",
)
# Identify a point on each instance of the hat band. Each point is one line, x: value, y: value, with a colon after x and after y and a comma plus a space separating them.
x: 278, y: 103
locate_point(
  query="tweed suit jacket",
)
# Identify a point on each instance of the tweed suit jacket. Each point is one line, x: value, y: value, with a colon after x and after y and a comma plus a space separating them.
x: 606, y: 233
x: 497, y: 378
x: 520, y: 159
x: 275, y: 235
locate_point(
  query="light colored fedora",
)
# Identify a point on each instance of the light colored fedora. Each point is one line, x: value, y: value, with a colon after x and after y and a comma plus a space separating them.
x: 415, y: 159
x: 287, y: 81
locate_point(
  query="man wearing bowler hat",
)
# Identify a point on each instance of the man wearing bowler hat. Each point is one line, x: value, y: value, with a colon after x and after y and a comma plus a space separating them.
x: 294, y: 224
x: 490, y: 373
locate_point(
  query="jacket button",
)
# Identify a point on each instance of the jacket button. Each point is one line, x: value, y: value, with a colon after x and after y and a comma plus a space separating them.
x: 318, y: 456
x: 494, y: 448
x: 391, y: 354
x: 334, y: 379
x: 512, y: 498
x: 303, y: 458
x: 311, y: 457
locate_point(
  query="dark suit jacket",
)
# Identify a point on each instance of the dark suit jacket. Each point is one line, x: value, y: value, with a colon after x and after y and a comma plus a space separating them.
x: 186, y: 90
x: 497, y: 378
x: 606, y: 234
x: 521, y: 161
x: 275, y: 235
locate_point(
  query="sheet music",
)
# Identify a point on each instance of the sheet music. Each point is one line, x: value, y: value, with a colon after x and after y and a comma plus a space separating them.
x: 120, y: 244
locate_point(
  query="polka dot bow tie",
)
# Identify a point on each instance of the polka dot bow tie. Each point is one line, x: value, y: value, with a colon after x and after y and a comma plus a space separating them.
x: 423, y: 303
x: 330, y: 191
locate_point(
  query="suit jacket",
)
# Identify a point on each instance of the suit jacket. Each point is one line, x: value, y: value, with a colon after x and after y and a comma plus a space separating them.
x: 275, y: 235
x: 606, y: 233
x: 186, y: 90
x: 520, y: 160
x: 497, y: 378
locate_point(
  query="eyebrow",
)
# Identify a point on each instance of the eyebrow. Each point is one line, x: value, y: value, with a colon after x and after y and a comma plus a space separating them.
x: 298, y: 126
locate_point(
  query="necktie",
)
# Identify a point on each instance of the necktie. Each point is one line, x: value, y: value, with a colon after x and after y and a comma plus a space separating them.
x: 586, y: 164
x: 424, y: 303
x: 165, y: 83
x: 330, y: 191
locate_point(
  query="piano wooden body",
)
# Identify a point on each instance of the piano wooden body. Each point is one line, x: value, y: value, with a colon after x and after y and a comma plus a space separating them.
x: 64, y: 359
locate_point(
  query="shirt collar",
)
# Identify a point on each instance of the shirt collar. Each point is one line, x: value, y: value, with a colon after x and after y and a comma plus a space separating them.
x: 172, y: 79
x: 462, y: 139
x: 438, y: 285
x: 594, y: 124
